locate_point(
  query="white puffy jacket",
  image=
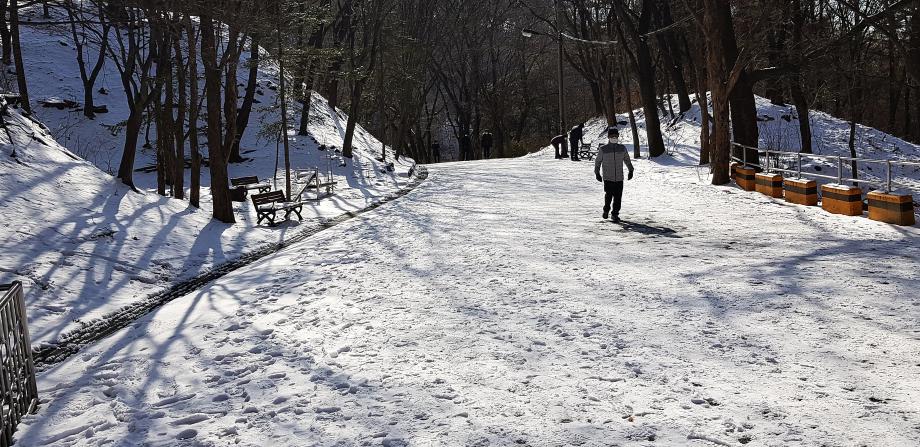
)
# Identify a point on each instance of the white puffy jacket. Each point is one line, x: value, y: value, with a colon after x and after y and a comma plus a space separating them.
x: 612, y: 156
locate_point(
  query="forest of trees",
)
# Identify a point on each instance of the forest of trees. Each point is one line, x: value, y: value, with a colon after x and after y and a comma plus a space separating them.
x: 416, y: 71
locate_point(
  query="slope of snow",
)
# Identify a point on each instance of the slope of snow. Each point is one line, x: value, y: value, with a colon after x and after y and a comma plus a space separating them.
x: 513, y: 315
x: 54, y: 73
x: 779, y: 131
x: 84, y: 245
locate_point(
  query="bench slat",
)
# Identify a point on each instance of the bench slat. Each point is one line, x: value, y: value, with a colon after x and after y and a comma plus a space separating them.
x: 241, y: 181
x: 269, y: 197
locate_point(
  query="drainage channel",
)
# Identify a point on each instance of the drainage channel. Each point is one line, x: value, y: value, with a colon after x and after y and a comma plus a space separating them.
x: 50, y: 354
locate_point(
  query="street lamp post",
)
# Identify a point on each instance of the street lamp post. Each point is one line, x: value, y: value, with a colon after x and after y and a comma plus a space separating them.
x: 528, y: 33
x: 562, y: 128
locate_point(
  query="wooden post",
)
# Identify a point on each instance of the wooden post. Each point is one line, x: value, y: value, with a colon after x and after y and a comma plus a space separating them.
x: 769, y: 184
x: 801, y: 191
x: 745, y: 177
x: 897, y: 209
x: 842, y: 199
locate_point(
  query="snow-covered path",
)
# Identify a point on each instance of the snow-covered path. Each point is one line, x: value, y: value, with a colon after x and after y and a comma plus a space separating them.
x: 493, y: 306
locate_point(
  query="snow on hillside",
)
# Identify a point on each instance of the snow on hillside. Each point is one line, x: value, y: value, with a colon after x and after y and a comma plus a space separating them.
x: 84, y: 245
x: 779, y: 130
x: 54, y: 74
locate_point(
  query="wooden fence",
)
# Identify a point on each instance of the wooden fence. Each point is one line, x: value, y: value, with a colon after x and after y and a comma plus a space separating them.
x: 17, y: 372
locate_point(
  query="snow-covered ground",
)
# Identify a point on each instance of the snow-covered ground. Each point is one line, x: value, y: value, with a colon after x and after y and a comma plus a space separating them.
x: 493, y: 306
x: 84, y: 245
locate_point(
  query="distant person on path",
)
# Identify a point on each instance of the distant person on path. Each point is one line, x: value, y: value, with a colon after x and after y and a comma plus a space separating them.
x: 465, y: 147
x: 485, y: 141
x: 436, y: 152
x: 611, y: 157
x: 575, y: 140
x: 559, y: 143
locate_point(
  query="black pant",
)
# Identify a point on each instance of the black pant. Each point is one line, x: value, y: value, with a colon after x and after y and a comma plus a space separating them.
x: 614, y: 191
x: 560, y: 147
x: 575, y: 148
x: 486, y: 152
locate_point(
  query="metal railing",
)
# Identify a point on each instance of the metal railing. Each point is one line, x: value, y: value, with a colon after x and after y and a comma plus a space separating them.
x: 887, y: 184
x: 17, y: 372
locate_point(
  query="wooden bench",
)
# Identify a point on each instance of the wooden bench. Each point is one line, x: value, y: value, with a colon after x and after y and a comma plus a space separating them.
x: 586, y: 152
x: 251, y: 182
x: 269, y: 204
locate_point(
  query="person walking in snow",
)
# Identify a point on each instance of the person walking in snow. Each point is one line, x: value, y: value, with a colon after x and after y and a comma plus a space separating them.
x: 611, y: 157
x: 466, y: 147
x: 559, y: 144
x: 485, y: 141
x: 575, y: 140
x: 436, y: 152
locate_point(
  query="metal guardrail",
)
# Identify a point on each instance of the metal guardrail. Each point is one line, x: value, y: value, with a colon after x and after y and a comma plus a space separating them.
x: 18, y: 391
x: 887, y: 184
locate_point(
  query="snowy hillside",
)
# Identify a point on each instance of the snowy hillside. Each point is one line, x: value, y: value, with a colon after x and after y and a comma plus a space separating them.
x: 55, y: 76
x: 779, y: 130
x: 84, y: 245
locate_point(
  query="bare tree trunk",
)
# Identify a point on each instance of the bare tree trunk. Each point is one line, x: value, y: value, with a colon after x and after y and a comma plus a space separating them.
x: 193, y: 112
x: 315, y: 42
x: 282, y: 92
x: 704, y: 128
x: 162, y: 162
x: 17, y: 55
x: 163, y: 109
x: 181, y: 111
x: 801, y: 109
x: 353, y: 112
x: 855, y: 100
x: 242, y: 116
x: 340, y: 32
x: 797, y: 82
x: 646, y: 75
x: 908, y: 127
x: 5, y: 37
x: 637, y: 152
x: 670, y: 52
x: 220, y: 187
x: 743, y: 109
x: 132, y: 133
x: 596, y: 97
x: 895, y: 86
x: 720, y: 73
x: 702, y: 100
x: 645, y: 72
x: 88, y: 78
x: 231, y: 90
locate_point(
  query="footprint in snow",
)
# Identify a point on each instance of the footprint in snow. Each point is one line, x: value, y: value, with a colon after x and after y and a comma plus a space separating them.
x: 188, y: 433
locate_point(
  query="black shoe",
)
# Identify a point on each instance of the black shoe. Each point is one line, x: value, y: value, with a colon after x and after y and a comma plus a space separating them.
x: 606, y: 214
x: 616, y: 219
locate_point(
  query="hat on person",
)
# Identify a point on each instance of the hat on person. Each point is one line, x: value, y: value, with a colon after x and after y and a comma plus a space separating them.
x: 612, y: 130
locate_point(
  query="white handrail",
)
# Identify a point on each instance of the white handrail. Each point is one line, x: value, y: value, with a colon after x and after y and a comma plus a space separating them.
x: 887, y: 184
